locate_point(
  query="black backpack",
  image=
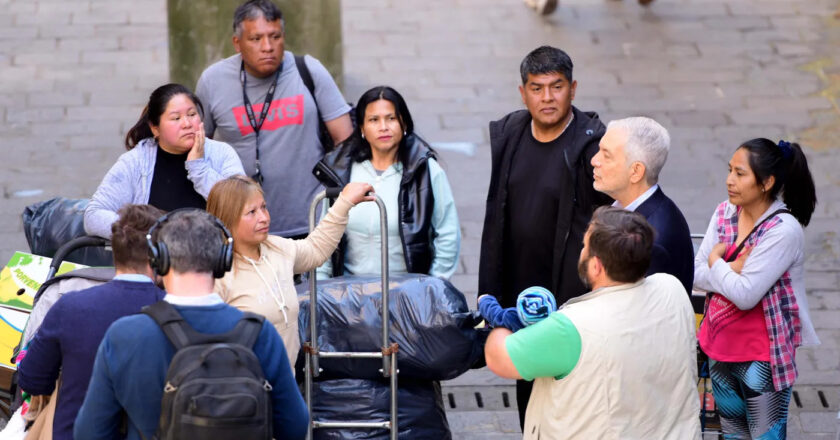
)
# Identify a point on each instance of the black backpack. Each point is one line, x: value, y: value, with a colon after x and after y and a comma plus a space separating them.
x: 323, y: 134
x: 215, y: 387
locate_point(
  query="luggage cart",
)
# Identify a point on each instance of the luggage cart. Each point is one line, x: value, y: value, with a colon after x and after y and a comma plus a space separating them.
x: 388, y: 353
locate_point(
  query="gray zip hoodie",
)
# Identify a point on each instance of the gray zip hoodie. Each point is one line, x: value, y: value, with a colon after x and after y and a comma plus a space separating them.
x: 130, y: 180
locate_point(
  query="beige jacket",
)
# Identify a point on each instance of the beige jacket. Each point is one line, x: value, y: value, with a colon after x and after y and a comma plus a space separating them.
x: 266, y: 286
x: 637, y: 373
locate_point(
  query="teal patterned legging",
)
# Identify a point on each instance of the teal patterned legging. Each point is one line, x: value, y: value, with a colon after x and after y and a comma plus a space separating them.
x: 749, y: 406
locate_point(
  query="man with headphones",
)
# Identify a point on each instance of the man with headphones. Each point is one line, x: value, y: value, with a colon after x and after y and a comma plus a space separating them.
x: 188, y: 249
x: 72, y: 329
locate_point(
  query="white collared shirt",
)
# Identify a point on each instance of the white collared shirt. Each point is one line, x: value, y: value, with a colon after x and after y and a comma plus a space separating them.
x: 133, y: 277
x: 210, y: 299
x: 639, y: 200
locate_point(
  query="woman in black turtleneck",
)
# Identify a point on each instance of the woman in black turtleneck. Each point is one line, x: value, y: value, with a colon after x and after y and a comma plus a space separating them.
x: 169, y: 163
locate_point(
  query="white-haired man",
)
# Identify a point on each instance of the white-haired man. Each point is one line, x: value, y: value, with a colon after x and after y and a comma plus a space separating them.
x: 630, y: 156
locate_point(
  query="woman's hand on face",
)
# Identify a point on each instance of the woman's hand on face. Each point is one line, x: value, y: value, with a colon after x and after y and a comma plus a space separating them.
x: 197, y: 150
x: 357, y: 192
x: 717, y: 252
x: 738, y: 264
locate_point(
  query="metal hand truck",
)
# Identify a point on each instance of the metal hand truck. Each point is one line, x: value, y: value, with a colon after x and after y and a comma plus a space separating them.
x: 388, y: 354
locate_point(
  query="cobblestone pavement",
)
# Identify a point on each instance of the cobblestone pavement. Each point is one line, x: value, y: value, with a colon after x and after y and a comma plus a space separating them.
x: 74, y: 74
x: 714, y: 72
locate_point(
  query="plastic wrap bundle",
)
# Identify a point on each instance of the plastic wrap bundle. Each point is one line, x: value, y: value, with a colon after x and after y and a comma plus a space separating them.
x: 420, y: 409
x: 50, y: 224
x: 430, y: 321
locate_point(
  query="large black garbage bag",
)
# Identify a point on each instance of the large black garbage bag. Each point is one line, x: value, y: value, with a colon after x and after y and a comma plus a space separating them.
x: 430, y: 321
x: 420, y: 410
x: 50, y: 224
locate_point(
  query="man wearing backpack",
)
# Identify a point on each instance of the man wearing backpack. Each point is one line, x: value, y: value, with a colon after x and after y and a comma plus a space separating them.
x: 215, y: 397
x: 259, y: 102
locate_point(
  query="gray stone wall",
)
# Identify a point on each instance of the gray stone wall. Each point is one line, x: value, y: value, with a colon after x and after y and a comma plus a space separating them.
x: 74, y: 76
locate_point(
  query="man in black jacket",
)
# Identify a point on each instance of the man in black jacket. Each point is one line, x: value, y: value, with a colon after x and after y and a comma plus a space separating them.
x: 630, y: 156
x: 541, y: 197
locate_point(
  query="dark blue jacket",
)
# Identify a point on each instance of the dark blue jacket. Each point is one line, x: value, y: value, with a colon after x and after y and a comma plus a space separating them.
x: 673, y: 252
x: 130, y: 372
x: 68, y: 339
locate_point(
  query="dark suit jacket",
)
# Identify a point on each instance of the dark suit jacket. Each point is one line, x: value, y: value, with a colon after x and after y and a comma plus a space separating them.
x: 673, y: 252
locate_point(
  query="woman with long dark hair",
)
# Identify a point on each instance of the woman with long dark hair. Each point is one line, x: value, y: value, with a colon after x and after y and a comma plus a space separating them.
x: 423, y: 229
x: 169, y: 163
x: 751, y: 263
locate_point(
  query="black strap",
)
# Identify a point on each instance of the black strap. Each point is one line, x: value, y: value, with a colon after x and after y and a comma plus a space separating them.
x: 303, y: 70
x: 181, y: 334
x: 256, y: 125
x: 734, y: 254
x: 323, y: 133
x: 248, y: 329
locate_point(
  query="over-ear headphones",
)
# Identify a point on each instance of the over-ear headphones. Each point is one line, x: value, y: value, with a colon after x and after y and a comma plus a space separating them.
x: 159, y: 253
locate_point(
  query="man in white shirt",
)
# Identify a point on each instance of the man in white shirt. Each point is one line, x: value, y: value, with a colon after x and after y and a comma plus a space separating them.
x: 617, y: 362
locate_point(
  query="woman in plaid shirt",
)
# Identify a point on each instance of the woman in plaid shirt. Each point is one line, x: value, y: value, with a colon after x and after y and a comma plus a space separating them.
x: 756, y: 310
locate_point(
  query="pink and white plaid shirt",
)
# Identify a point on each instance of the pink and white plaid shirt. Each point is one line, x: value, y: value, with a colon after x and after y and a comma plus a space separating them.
x: 781, y: 312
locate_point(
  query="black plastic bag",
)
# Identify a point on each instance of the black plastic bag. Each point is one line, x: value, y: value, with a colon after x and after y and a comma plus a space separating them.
x: 430, y: 321
x: 420, y: 410
x: 50, y: 224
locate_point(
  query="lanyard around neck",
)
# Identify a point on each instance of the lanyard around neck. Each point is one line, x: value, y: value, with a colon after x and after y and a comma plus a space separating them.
x: 256, y: 125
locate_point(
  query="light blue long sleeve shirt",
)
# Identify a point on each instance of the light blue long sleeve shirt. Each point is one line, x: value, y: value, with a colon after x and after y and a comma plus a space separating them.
x: 363, y: 231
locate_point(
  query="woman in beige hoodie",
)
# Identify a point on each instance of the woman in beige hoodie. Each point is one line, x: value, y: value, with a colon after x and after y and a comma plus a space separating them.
x: 261, y: 279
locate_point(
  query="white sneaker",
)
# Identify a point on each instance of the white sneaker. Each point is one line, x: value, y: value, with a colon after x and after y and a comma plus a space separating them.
x: 542, y: 7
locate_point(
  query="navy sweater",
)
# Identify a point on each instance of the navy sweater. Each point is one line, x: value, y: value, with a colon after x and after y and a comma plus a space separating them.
x: 131, y: 366
x: 68, y: 339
